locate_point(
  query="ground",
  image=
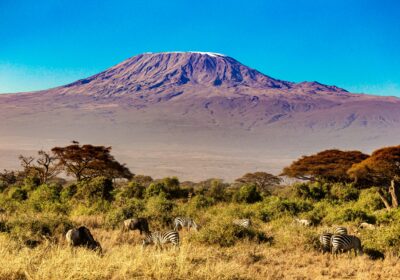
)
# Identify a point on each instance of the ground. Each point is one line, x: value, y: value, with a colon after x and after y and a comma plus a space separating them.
x: 124, y: 258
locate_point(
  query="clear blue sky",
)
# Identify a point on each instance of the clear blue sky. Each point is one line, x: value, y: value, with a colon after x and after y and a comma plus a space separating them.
x: 353, y: 44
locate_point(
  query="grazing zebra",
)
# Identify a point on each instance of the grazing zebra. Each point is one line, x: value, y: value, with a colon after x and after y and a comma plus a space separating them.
x: 340, y: 230
x: 159, y: 238
x: 344, y: 243
x: 246, y: 223
x: 325, y: 240
x: 188, y: 223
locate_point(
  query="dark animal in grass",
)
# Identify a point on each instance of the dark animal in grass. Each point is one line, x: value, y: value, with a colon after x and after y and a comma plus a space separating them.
x: 140, y: 224
x: 82, y: 237
x: 374, y: 254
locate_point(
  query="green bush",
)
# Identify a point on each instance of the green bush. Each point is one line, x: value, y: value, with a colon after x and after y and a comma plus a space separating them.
x: 275, y: 207
x: 221, y: 231
x: 31, y: 183
x: 383, y: 239
x: 344, y: 192
x: 68, y: 192
x: 27, y: 227
x: 155, y: 189
x: 248, y: 194
x: 349, y: 214
x: 133, y: 208
x: 159, y: 210
x: 314, y: 191
x: 201, y: 201
x: 18, y: 194
x: 369, y: 200
x: 129, y: 191
x: 99, y: 188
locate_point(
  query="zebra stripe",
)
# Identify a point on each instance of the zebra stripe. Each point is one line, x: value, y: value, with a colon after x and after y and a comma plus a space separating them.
x: 246, y: 223
x: 340, y: 230
x: 188, y: 223
x: 325, y: 240
x: 344, y: 243
x: 159, y: 238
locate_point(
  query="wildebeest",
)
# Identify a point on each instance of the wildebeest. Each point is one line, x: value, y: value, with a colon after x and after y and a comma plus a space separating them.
x: 136, y: 223
x: 81, y: 237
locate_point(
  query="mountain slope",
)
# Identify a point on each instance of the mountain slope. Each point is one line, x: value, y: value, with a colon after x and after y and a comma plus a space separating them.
x: 197, y: 115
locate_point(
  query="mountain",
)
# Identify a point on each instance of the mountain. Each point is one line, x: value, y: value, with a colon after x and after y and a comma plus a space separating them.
x: 196, y: 115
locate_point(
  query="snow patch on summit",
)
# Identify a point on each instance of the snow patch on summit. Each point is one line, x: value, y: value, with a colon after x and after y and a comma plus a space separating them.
x: 212, y: 54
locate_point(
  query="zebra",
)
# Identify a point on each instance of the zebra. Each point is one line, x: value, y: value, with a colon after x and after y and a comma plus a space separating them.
x: 344, y: 243
x: 325, y: 240
x: 246, y: 223
x: 188, y: 223
x: 159, y: 238
x: 340, y: 230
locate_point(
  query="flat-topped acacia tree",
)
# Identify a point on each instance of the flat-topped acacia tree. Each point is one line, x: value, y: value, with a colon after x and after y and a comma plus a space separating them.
x: 325, y: 166
x: 262, y: 180
x: 381, y: 169
x: 85, y: 162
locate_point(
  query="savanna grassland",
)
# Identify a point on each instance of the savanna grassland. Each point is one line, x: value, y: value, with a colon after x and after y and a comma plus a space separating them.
x: 37, y: 208
x: 124, y: 258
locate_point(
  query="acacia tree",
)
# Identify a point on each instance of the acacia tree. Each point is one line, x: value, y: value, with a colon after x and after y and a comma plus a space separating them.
x: 85, y: 162
x: 262, y: 180
x: 381, y: 169
x: 328, y: 165
x: 44, y: 167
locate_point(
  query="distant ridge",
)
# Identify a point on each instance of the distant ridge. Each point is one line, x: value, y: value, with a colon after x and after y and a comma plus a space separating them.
x: 203, y: 106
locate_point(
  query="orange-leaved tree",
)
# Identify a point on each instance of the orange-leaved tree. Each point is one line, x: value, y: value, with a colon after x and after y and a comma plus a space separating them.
x: 327, y: 166
x: 85, y: 162
x: 381, y: 169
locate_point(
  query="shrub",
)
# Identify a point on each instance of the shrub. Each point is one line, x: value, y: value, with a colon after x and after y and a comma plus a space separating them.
x: 36, y: 227
x: 46, y: 198
x: 274, y: 207
x: 18, y: 194
x: 159, y: 209
x: 344, y: 192
x: 217, y: 190
x: 129, y: 191
x: 248, y: 194
x: 349, y: 214
x: 95, y: 189
x: 133, y: 208
x: 155, y: 189
x: 199, y: 202
x: 31, y: 182
x: 68, y: 192
x: 383, y: 239
x: 221, y: 231
x: 315, y: 191
x: 369, y: 200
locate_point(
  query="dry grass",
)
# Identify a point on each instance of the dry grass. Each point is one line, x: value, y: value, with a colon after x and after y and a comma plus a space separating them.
x: 124, y: 259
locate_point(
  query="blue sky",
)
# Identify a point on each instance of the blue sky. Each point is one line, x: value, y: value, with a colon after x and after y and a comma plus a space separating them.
x: 352, y: 44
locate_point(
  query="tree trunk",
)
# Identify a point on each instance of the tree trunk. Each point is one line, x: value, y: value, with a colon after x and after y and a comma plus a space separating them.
x: 393, y: 194
x: 384, y: 200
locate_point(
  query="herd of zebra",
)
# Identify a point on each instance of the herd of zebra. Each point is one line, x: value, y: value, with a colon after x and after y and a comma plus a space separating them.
x: 82, y: 236
x: 338, y: 241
